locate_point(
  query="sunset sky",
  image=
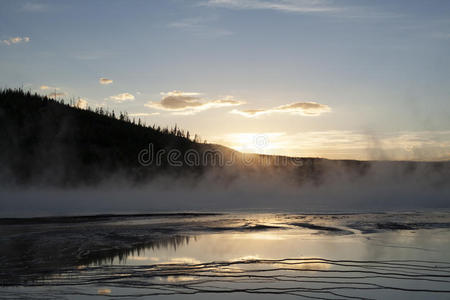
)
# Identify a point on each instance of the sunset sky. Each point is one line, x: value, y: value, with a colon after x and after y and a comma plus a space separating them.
x: 336, y: 79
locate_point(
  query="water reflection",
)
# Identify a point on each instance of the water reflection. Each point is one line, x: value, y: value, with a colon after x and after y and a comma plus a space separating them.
x: 28, y: 261
x: 122, y: 256
x: 301, y: 277
x: 323, y: 256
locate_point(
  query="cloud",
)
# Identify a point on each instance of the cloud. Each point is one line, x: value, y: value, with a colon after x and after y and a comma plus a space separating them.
x: 190, y: 103
x: 105, y: 81
x: 81, y: 103
x: 46, y: 87
x: 144, y: 114
x: 56, y: 95
x: 199, y: 27
x: 297, y: 108
x: 329, y: 7
x: 296, y: 6
x: 34, y: 7
x: 16, y: 40
x: 122, y: 97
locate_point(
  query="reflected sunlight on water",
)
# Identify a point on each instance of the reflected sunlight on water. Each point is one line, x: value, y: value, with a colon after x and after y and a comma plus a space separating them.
x: 312, y: 256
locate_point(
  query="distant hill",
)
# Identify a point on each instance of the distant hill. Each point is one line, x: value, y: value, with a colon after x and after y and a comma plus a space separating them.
x: 48, y: 142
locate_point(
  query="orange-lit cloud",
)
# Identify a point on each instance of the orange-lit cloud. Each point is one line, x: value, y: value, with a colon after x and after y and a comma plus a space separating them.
x: 16, y: 40
x: 122, y: 97
x: 56, y: 95
x: 189, y: 103
x: 297, y: 108
x: 46, y: 87
x: 105, y: 81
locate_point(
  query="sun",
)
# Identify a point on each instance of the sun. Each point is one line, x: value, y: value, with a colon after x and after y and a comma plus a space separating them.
x: 261, y: 143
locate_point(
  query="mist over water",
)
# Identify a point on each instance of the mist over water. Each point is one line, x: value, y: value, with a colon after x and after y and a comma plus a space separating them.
x: 385, y: 186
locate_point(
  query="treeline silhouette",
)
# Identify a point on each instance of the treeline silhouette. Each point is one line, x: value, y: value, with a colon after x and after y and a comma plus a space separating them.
x: 121, y: 116
x: 44, y: 140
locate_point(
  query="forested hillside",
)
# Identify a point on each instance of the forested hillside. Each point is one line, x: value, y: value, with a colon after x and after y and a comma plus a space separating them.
x: 48, y: 142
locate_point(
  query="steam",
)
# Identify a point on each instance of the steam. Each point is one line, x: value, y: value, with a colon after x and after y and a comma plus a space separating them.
x: 385, y: 186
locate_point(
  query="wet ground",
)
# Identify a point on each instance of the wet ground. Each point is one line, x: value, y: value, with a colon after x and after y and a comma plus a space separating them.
x: 223, y: 256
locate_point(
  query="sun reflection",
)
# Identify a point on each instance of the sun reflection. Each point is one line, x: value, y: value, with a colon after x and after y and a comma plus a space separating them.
x: 141, y: 258
x: 247, y: 257
x: 259, y: 236
x: 104, y: 291
x: 183, y: 260
x: 179, y: 278
x: 304, y: 263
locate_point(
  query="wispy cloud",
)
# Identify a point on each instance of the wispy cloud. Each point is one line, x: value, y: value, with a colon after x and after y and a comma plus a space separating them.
x: 189, y: 103
x: 56, y: 91
x: 16, y: 40
x: 122, y: 97
x: 329, y: 7
x: 46, y: 87
x: 105, y: 81
x: 296, y: 6
x: 200, y: 27
x: 297, y: 108
x: 34, y: 7
x: 56, y: 95
x: 144, y: 114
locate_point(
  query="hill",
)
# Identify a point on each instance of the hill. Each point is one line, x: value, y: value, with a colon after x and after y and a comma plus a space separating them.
x: 48, y: 142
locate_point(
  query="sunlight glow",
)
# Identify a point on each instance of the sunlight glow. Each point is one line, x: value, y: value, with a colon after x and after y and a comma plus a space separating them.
x: 260, y: 236
x: 344, y: 144
x: 262, y: 143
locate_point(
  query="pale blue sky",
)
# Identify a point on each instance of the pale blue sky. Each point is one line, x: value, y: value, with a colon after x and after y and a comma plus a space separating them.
x: 380, y: 70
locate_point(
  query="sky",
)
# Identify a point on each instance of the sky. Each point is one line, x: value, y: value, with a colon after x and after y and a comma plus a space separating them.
x: 319, y: 78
